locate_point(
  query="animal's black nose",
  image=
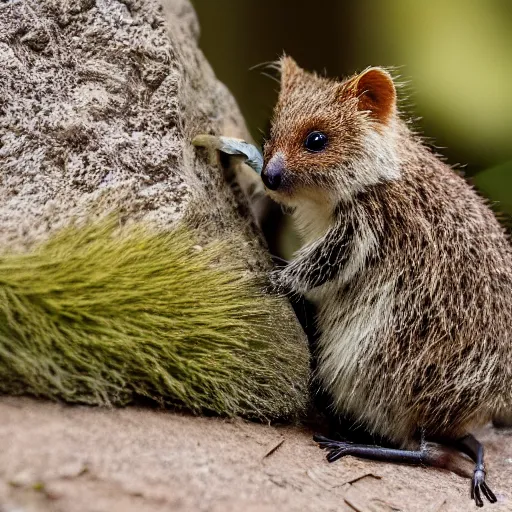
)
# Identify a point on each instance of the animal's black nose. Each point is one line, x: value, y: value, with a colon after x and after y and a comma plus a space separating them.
x: 273, y: 172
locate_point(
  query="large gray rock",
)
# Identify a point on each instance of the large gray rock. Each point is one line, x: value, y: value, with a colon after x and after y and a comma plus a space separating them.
x: 98, y: 103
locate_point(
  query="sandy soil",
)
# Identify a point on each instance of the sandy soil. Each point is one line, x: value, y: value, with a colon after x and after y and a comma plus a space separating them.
x: 75, y: 459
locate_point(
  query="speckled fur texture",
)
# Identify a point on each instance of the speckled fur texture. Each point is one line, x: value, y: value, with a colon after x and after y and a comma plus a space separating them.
x: 409, y: 268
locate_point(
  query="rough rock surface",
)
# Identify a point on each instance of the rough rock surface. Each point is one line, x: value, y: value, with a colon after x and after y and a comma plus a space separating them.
x: 99, y: 100
x: 74, y: 459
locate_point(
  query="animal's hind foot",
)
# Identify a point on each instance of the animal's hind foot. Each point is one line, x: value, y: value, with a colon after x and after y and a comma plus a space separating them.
x: 335, y: 449
x: 479, y: 486
x: 338, y: 449
x: 469, y: 445
x: 474, y: 449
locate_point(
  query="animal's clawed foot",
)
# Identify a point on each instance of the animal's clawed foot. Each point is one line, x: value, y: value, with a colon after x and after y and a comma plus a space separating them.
x: 479, y: 487
x: 336, y: 449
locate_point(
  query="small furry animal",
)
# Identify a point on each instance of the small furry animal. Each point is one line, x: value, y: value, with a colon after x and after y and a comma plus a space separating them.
x: 410, y: 271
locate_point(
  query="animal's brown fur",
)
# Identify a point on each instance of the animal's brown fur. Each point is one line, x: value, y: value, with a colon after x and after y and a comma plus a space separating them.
x: 409, y: 268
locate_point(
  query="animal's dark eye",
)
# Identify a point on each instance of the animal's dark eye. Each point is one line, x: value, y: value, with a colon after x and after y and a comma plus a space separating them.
x: 315, y: 142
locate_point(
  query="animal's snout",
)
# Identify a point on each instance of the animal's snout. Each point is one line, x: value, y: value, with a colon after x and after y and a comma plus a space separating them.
x: 273, y: 172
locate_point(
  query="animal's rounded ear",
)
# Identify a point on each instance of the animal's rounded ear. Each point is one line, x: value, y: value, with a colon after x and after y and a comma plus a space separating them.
x: 290, y: 72
x: 376, y: 93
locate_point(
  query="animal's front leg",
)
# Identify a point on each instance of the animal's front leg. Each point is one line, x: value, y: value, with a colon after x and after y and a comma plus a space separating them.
x: 316, y: 263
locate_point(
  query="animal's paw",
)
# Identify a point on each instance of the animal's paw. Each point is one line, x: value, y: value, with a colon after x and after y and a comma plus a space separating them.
x: 279, y: 282
x: 479, y: 486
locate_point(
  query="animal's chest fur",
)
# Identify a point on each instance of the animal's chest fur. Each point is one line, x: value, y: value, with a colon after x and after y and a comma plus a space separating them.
x: 354, y: 312
x: 312, y: 218
x: 353, y: 322
x: 350, y: 320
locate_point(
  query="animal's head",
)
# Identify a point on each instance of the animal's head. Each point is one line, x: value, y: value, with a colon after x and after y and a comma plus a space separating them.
x: 330, y: 139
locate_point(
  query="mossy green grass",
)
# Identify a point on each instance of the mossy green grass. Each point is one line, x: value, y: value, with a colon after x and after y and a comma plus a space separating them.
x: 103, y: 314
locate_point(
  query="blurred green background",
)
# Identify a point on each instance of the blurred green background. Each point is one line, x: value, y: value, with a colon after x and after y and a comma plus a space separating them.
x: 456, y: 56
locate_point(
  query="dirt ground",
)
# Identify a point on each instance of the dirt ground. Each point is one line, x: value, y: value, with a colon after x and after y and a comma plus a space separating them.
x: 76, y: 459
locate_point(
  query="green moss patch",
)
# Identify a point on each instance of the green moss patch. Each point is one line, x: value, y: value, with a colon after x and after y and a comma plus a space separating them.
x: 106, y: 315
